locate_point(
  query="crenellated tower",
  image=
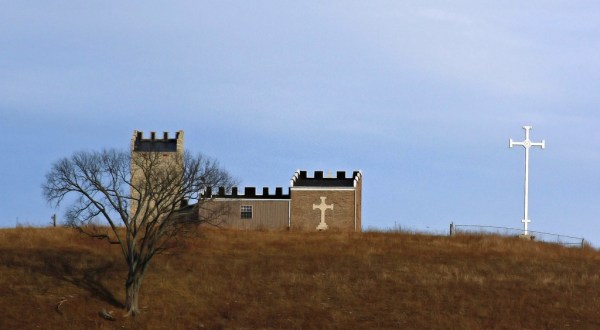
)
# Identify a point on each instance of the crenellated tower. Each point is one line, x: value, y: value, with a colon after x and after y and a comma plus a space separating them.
x: 332, y: 202
x: 152, y: 157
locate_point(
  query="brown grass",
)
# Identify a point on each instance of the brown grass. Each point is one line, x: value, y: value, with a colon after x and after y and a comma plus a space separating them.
x: 55, y: 278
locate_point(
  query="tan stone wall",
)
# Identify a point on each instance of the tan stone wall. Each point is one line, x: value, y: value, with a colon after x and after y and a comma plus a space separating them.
x: 173, y: 160
x: 359, y: 205
x: 341, y: 218
x: 266, y: 214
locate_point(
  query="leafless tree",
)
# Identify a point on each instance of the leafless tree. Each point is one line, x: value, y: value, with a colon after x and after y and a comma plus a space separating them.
x: 142, y: 199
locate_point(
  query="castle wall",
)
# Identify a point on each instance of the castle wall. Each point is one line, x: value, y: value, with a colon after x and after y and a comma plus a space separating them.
x: 330, y: 202
x: 268, y: 210
x: 266, y: 214
x: 306, y: 218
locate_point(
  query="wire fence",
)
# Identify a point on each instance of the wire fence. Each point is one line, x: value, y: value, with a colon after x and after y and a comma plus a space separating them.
x: 506, y: 231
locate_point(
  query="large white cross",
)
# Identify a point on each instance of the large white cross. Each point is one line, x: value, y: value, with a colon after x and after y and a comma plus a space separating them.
x: 527, y: 144
x: 323, y: 207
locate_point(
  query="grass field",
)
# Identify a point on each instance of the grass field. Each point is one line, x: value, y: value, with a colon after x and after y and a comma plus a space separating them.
x: 55, y: 278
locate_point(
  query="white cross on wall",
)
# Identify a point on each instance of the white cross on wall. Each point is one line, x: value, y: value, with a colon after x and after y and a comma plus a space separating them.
x: 323, y: 207
x: 527, y: 144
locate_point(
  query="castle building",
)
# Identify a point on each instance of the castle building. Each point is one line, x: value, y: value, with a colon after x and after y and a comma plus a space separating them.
x: 311, y: 203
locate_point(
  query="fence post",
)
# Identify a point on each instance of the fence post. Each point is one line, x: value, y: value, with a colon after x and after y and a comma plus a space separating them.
x: 452, y: 229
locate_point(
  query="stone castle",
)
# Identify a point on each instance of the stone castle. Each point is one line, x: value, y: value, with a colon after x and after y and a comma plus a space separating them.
x: 311, y: 203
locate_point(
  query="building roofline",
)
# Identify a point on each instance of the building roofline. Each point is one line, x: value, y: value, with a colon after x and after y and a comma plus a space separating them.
x: 249, y: 193
x: 301, y: 179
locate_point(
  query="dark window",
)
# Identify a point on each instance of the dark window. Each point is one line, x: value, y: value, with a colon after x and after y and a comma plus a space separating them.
x: 246, y: 212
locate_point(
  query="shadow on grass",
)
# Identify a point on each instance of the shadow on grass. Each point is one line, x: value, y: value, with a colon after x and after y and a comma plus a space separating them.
x: 80, y: 268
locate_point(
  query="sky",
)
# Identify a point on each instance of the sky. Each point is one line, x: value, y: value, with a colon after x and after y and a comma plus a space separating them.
x: 422, y: 96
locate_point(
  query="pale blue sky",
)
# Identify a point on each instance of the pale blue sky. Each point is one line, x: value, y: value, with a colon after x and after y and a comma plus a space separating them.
x: 422, y: 96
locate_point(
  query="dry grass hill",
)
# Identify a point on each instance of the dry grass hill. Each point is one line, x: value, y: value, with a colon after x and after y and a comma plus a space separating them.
x: 55, y: 278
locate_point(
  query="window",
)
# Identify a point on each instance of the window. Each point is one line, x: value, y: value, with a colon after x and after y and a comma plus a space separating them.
x: 246, y: 212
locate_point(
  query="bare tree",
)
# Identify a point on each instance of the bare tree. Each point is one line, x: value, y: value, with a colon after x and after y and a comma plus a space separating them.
x: 142, y: 198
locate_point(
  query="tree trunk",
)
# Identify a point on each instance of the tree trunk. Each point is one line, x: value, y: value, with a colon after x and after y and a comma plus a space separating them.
x: 132, y: 290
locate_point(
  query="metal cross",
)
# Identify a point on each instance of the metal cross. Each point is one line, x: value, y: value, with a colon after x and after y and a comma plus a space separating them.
x: 323, y: 207
x: 527, y: 144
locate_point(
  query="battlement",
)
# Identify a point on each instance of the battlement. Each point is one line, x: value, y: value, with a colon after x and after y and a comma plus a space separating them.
x: 301, y: 179
x: 249, y: 193
x: 157, y: 144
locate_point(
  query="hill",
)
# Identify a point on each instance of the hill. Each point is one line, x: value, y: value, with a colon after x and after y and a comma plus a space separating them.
x: 55, y: 278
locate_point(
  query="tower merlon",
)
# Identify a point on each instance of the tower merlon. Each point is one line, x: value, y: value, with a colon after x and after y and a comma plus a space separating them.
x: 301, y: 179
x: 154, y: 144
x: 249, y: 193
